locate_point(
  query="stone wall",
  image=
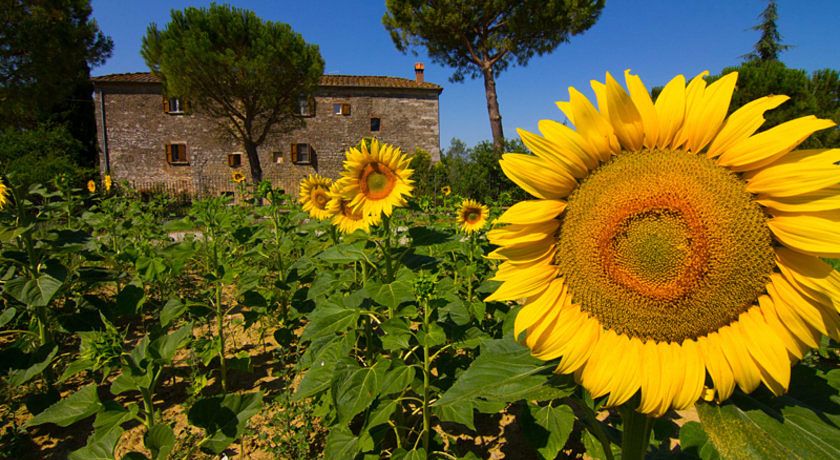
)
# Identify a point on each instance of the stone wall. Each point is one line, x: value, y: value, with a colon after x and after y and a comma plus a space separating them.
x: 138, y: 130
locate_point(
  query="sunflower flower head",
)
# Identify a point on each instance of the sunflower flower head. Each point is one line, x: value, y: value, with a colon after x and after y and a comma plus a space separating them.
x: 472, y: 216
x: 667, y: 242
x: 376, y: 178
x: 237, y: 177
x: 107, y: 182
x: 314, y: 196
x: 344, y: 216
x: 91, y: 186
x: 446, y: 190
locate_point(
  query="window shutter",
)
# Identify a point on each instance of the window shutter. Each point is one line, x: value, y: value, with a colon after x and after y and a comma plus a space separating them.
x: 345, y: 109
x: 294, y: 153
x: 169, y: 153
x: 186, y: 158
x: 165, y: 104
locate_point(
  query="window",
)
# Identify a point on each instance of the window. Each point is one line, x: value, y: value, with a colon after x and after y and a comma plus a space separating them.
x: 341, y: 109
x: 234, y: 160
x: 277, y: 157
x: 374, y: 124
x: 174, y: 105
x: 306, y: 106
x: 302, y: 154
x: 176, y: 154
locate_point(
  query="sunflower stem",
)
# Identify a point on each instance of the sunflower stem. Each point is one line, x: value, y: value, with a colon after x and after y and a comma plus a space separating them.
x: 636, y: 437
x: 386, y: 248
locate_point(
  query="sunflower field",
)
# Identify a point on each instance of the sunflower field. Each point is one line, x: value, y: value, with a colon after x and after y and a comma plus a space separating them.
x: 665, y: 291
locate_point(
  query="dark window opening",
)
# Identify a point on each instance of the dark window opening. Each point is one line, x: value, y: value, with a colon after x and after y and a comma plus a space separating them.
x: 374, y: 124
x: 176, y: 154
x: 302, y: 153
x: 234, y: 160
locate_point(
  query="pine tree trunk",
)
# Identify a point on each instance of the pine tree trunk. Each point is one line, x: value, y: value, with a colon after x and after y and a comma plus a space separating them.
x: 493, y: 110
x: 253, y: 161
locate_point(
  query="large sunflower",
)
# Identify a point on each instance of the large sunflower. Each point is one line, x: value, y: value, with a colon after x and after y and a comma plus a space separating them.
x: 377, y: 179
x: 472, y: 216
x: 344, y: 216
x: 314, y: 196
x: 668, y: 242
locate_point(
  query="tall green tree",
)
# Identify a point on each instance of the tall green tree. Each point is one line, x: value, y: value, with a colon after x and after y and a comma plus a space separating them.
x: 769, y: 45
x: 247, y: 73
x: 47, y: 48
x: 482, y: 38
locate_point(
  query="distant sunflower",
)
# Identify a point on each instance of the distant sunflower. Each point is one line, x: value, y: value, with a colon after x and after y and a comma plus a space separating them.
x: 4, y: 194
x: 472, y: 216
x: 91, y: 186
x: 446, y: 190
x: 237, y: 177
x: 668, y: 241
x: 107, y: 183
x: 314, y: 196
x: 377, y: 179
x: 346, y: 218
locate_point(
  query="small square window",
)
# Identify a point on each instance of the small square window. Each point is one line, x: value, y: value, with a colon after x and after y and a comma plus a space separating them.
x: 277, y: 157
x: 341, y: 109
x: 174, y: 105
x: 234, y: 160
x: 302, y: 153
x: 176, y: 154
x: 374, y: 124
x: 306, y: 106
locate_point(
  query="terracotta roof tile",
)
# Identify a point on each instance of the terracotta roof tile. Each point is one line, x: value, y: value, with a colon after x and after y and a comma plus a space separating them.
x: 353, y: 81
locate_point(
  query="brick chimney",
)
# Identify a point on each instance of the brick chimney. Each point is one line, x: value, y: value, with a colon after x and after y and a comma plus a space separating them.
x: 418, y: 72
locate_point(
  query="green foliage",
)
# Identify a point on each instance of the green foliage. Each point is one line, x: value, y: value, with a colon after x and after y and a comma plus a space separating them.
x: 247, y: 73
x: 769, y: 45
x: 474, y: 172
x: 465, y: 35
x: 47, y: 49
x: 40, y: 154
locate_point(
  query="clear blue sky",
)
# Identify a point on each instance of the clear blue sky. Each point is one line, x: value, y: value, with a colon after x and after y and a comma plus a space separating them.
x: 657, y: 39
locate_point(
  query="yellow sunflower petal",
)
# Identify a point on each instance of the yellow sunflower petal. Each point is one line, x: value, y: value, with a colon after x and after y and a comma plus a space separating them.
x: 644, y: 104
x: 536, y: 177
x: 825, y: 199
x: 571, y: 144
x: 791, y: 319
x: 652, y: 383
x: 767, y: 146
x: 746, y: 373
x: 717, y: 365
x: 743, y: 123
x: 522, y: 234
x: 692, y: 126
x: 536, y: 309
x: 597, y: 376
x: 578, y: 347
x: 810, y: 235
x: 528, y: 282
x: 767, y: 351
x: 564, y: 154
x: 810, y: 272
x: 796, y: 349
x: 670, y: 111
x: 524, y: 254
x: 695, y: 373
x: 792, y: 179
x: 715, y: 105
x: 592, y: 125
x: 626, y: 381
x: 625, y: 117
x: 819, y: 318
x: 532, y: 212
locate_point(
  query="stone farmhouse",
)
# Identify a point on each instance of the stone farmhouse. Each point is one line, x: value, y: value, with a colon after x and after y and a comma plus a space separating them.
x: 160, y: 143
